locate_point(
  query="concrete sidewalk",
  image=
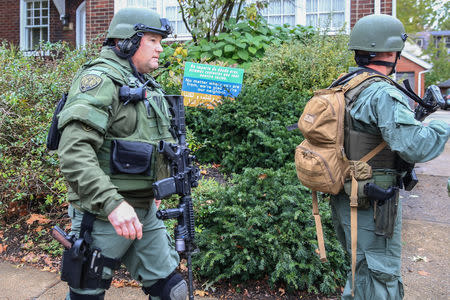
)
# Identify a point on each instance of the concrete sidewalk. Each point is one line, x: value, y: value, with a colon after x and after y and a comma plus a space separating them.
x: 28, y: 283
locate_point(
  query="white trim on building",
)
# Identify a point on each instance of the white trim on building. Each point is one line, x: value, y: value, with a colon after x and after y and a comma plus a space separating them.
x: 80, y: 31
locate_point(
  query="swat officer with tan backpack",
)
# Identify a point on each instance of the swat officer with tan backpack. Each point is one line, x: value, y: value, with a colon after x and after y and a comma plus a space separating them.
x: 361, y: 140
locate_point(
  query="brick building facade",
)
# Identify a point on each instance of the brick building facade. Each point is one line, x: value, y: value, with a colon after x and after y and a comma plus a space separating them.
x: 93, y: 17
x: 98, y: 14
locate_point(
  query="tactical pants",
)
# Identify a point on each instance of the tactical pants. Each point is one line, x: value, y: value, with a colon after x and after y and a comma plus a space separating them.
x: 378, y: 259
x: 151, y: 258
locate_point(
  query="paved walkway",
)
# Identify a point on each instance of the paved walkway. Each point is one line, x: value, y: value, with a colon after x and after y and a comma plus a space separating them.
x: 28, y: 283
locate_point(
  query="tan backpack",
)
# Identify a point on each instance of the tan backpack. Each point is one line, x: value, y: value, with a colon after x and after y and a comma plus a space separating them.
x: 320, y: 159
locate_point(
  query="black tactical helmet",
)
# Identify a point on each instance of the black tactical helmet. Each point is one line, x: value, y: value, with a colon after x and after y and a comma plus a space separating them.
x: 129, y: 21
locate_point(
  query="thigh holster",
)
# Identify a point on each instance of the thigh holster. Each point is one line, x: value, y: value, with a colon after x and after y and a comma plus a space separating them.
x: 82, y: 265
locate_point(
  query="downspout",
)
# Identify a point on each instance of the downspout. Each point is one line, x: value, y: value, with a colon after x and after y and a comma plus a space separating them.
x: 394, y: 8
x: 377, y: 7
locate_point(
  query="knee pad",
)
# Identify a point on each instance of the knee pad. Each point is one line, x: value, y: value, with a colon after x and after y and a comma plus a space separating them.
x: 76, y: 296
x: 173, y: 287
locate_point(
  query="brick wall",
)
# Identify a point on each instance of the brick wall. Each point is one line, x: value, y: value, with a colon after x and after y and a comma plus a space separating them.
x: 98, y: 15
x: 10, y: 21
x: 361, y: 8
x: 386, y: 7
x: 67, y: 33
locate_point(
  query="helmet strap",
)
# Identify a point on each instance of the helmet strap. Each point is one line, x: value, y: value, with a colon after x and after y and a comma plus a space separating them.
x: 387, y: 63
x: 364, y: 60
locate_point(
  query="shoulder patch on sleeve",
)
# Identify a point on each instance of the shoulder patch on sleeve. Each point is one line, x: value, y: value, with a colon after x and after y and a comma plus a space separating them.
x: 89, y: 82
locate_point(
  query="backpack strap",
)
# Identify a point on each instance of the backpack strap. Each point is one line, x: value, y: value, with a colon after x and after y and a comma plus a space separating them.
x: 354, y: 210
x: 319, y: 230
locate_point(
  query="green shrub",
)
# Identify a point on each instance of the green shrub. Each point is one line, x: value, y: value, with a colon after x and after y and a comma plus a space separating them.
x: 302, y: 66
x: 30, y: 86
x: 260, y: 226
x: 251, y: 130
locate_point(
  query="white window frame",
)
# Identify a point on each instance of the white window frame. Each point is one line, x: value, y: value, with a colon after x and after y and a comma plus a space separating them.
x: 301, y: 12
x: 24, y: 35
x: 266, y: 12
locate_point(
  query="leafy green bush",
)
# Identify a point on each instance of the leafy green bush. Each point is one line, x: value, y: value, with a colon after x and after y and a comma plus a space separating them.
x: 261, y: 225
x: 30, y: 86
x: 302, y: 66
x: 251, y: 130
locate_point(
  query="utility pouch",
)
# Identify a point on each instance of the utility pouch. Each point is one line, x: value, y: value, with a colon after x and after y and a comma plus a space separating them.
x: 54, y: 135
x: 73, y: 261
x: 129, y: 157
x: 363, y: 174
x: 385, y: 216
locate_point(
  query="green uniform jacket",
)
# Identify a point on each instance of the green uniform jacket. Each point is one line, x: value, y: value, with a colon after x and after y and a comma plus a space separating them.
x: 88, y: 130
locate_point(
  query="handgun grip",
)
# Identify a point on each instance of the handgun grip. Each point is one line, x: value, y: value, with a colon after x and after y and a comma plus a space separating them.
x: 61, y: 237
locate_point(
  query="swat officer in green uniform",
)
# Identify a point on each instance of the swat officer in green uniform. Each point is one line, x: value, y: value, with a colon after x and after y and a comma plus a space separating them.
x: 109, y: 159
x: 379, y: 111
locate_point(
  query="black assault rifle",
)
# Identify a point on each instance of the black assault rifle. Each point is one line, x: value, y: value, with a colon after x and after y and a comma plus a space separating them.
x: 184, y: 176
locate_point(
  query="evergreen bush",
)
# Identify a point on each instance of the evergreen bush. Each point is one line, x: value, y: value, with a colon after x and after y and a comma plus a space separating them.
x: 261, y: 225
x: 249, y: 131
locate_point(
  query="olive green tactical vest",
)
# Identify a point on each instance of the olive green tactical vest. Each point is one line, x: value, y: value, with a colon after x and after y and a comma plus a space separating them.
x: 152, y: 125
x: 358, y: 143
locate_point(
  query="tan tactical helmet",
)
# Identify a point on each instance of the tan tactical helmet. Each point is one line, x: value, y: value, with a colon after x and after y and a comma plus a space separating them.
x: 378, y: 33
x: 129, y: 21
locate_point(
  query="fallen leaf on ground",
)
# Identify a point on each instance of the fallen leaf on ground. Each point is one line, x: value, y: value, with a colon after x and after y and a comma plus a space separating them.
x: 28, y: 245
x: 423, y: 273
x: 203, y: 172
x: 37, y: 217
x: 3, y: 247
x: 282, y: 291
x: 118, y: 283
x: 200, y: 293
x: 183, y: 266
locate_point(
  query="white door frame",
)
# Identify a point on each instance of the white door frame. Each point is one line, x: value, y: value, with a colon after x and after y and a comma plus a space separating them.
x: 80, y: 32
